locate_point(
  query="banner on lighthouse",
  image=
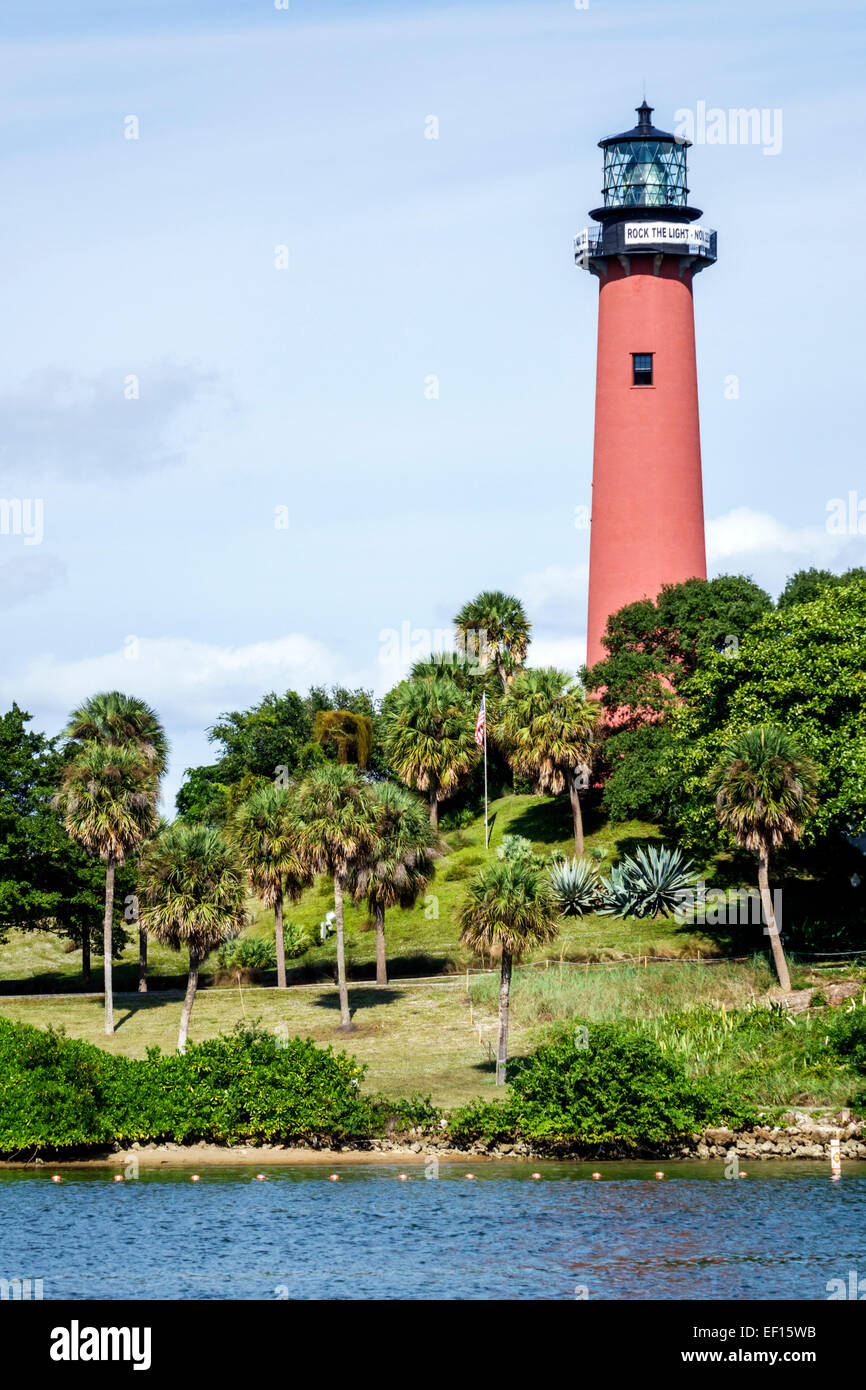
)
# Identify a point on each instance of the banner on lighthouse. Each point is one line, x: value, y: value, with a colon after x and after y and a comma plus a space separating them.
x: 581, y: 248
x: 667, y: 234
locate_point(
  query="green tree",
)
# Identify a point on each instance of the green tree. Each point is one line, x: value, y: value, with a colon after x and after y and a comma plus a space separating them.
x: 270, y: 853
x: 508, y: 908
x: 340, y: 697
x: 262, y: 739
x: 653, y: 648
x: 193, y: 895
x: 402, y: 866
x: 807, y: 585
x: 429, y: 737
x: 803, y: 668
x: 633, y: 764
x: 201, y: 797
x: 334, y: 818
x: 764, y: 785
x: 496, y: 630
x: 107, y: 801
x: 548, y: 728
x: 271, y: 740
x: 47, y: 881
x: 122, y: 721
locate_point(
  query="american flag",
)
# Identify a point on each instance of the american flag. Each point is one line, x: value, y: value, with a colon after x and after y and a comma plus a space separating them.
x: 481, y: 721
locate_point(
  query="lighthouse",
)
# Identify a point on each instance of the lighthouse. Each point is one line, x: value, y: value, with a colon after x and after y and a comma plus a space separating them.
x: 648, y: 244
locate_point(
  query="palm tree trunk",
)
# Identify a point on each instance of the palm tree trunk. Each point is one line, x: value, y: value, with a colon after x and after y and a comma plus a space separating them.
x: 280, y: 940
x: 142, y: 960
x: 504, y: 996
x: 574, y: 793
x: 381, y: 958
x: 770, y: 919
x: 189, y: 1000
x: 434, y: 810
x: 85, y: 957
x: 346, y: 1024
x: 106, y: 945
x: 503, y: 675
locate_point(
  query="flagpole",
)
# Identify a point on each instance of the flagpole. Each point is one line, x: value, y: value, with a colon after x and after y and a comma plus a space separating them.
x: 486, y: 830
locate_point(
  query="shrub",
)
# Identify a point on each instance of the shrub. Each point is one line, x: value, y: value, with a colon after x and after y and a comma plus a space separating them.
x: 650, y: 884
x: 847, y: 1036
x: 458, y: 819
x: 245, y: 1087
x: 816, y: 934
x: 620, y: 1089
x: 515, y: 847
x: 52, y: 1090
x: 298, y: 941
x: 574, y: 884
x: 247, y: 953
x: 413, y: 1112
x: 250, y: 955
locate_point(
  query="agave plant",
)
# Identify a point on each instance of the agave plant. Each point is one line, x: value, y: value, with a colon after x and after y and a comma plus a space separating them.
x: 650, y: 884
x: 574, y: 886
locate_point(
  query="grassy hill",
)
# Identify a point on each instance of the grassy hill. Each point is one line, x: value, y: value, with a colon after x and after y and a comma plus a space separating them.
x: 421, y: 941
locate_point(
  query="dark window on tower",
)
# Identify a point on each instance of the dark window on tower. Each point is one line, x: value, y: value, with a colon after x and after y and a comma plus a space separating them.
x: 642, y: 368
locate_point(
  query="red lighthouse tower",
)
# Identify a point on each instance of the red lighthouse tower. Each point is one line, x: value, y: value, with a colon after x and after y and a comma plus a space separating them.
x: 647, y: 526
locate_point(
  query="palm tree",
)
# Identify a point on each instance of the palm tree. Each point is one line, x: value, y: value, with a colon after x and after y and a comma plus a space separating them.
x: 547, y: 727
x: 503, y: 628
x: 462, y: 671
x: 123, y: 721
x: 765, y: 786
x: 334, y: 818
x: 120, y: 720
x: 269, y: 852
x: 193, y: 895
x: 107, y: 801
x: 403, y: 863
x: 508, y: 906
x: 429, y: 734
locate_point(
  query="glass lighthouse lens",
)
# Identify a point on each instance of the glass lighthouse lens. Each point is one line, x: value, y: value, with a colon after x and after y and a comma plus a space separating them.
x: 644, y: 173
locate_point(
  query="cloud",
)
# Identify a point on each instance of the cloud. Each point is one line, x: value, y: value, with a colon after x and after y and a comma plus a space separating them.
x: 114, y: 422
x: 27, y: 576
x: 759, y: 544
x: 746, y: 532
x: 190, y: 683
x: 555, y: 587
x: 565, y: 653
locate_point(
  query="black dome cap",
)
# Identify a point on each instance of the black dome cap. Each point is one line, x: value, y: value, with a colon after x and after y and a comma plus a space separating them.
x: 644, y: 130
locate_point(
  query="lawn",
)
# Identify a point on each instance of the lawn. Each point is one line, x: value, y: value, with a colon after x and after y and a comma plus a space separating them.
x: 414, y: 1038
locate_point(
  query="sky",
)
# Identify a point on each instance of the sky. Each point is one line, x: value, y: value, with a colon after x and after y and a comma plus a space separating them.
x: 284, y: 380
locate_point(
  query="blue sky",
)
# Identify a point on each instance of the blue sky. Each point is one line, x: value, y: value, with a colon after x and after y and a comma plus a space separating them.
x: 161, y: 569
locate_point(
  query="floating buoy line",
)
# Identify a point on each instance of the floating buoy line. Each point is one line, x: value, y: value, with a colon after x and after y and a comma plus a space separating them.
x: 835, y: 1172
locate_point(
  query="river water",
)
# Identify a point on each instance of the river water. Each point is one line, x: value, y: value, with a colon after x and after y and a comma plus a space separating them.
x: 785, y: 1231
